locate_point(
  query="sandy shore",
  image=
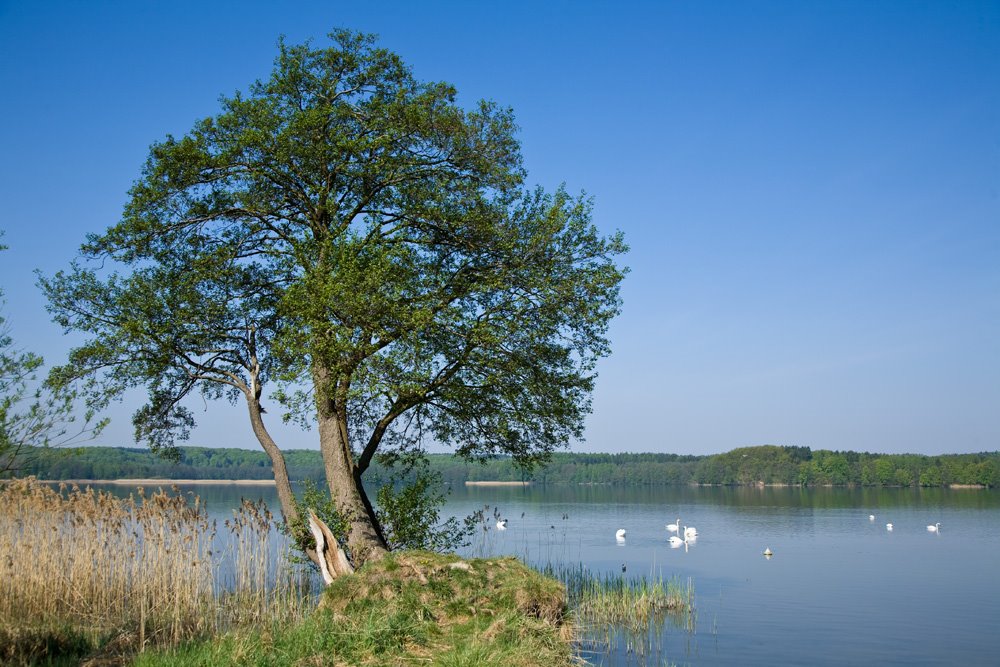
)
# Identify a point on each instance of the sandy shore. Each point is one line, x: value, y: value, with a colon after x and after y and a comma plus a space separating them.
x: 165, y: 482
x: 491, y: 483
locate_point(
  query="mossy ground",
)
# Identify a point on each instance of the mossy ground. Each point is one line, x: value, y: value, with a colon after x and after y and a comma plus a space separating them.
x: 411, y: 608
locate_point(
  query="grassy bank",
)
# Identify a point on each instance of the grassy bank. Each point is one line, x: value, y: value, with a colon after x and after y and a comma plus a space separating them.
x: 412, y: 608
x: 419, y: 608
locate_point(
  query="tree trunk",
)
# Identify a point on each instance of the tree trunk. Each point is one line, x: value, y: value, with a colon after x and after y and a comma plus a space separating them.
x: 281, y: 481
x: 363, y: 536
x: 284, y: 486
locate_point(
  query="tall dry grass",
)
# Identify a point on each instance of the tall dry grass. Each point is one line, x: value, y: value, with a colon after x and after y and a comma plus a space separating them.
x: 141, y: 567
x: 263, y: 585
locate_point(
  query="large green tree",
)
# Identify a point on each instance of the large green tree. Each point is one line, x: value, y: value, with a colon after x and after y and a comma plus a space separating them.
x: 354, y: 238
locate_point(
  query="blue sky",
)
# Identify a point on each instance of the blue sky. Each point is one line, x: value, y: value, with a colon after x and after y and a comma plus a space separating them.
x: 811, y: 190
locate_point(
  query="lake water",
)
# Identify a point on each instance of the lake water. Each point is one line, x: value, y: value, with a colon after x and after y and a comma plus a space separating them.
x: 839, y: 589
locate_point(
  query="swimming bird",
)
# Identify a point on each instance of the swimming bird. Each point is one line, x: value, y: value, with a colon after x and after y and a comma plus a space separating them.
x: 888, y: 527
x: 674, y: 527
x: 676, y: 541
x: 620, y: 534
x: 935, y: 528
x: 502, y: 524
x: 690, y: 531
x: 871, y: 517
x: 623, y: 567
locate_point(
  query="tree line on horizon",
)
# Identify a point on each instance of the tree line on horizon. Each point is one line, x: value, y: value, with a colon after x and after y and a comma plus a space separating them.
x: 765, y: 464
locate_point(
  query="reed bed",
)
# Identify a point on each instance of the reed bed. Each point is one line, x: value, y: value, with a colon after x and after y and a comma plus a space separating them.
x: 138, y: 571
x: 263, y: 587
x: 628, y: 602
x: 615, y: 609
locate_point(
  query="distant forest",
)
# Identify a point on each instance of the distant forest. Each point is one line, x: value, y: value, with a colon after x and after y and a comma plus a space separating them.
x: 767, y: 464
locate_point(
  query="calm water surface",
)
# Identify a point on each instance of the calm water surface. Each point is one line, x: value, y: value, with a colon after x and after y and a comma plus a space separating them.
x: 840, y: 589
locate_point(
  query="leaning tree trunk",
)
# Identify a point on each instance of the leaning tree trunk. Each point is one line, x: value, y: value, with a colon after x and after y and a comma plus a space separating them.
x: 284, y: 486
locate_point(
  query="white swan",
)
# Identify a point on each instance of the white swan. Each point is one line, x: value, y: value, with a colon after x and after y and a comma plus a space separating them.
x: 888, y: 527
x: 935, y: 528
x: 674, y: 527
x: 620, y: 534
x: 690, y: 531
x: 502, y: 524
x: 871, y: 517
x: 675, y: 541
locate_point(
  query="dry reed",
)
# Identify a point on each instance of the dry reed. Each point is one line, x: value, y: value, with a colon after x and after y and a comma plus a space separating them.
x: 141, y: 567
x: 264, y: 587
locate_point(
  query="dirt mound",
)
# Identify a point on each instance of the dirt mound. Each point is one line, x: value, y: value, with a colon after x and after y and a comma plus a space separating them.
x: 452, y: 585
x: 479, y: 607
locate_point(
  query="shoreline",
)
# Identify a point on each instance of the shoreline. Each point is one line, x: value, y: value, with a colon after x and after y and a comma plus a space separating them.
x: 150, y: 481
x: 153, y: 481
x: 495, y: 483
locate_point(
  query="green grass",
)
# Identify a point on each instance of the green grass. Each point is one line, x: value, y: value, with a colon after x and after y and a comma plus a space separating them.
x: 50, y: 646
x: 411, y: 608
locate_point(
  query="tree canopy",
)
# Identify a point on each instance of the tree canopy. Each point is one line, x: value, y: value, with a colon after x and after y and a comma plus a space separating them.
x: 354, y: 239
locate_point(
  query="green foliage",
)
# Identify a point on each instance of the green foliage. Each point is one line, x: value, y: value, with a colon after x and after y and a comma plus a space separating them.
x: 17, y: 370
x: 932, y: 476
x: 787, y: 465
x: 353, y: 218
x: 767, y: 464
x: 409, y: 509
